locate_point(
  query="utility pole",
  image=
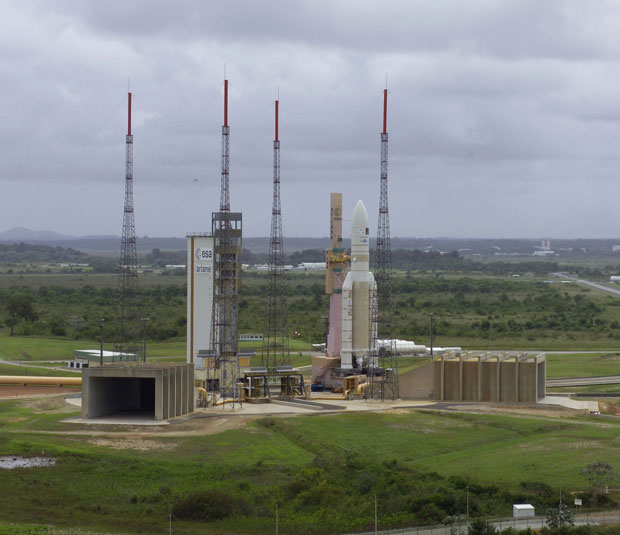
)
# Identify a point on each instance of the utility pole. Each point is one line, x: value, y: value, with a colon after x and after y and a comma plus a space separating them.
x: 431, y: 328
x: 145, y: 322
x: 101, y: 322
x: 375, y: 514
x: 467, y: 510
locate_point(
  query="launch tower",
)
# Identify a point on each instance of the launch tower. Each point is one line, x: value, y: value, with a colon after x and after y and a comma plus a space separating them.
x: 275, y: 335
x: 384, y: 380
x: 226, y: 227
x: 129, y: 323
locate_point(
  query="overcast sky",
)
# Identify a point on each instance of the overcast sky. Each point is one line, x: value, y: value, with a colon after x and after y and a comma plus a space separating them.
x: 503, y: 116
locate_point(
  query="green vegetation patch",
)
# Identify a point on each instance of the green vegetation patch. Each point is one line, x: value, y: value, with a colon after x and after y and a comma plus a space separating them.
x: 583, y: 365
x: 8, y: 369
x: 318, y: 469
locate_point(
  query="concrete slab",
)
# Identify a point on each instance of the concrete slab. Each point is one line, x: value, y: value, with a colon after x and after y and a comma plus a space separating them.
x: 591, y: 406
x: 331, y: 406
x: 74, y: 400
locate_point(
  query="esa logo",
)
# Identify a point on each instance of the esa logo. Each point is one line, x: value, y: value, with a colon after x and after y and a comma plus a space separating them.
x: 203, y: 254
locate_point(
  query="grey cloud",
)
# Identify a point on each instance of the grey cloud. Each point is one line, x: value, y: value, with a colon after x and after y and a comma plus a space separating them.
x: 503, y: 116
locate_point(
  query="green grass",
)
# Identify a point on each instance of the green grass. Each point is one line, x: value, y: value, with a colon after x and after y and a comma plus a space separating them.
x: 615, y: 389
x: 7, y: 369
x: 122, y: 489
x: 582, y: 365
x: 478, y: 447
x: 296, y: 360
x: 29, y: 348
x: 33, y: 348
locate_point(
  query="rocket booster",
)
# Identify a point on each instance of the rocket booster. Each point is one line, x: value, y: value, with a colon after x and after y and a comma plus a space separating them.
x: 359, y: 295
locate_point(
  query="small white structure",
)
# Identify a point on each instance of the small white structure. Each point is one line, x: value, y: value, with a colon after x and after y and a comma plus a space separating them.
x: 310, y: 266
x: 250, y: 337
x: 522, y: 510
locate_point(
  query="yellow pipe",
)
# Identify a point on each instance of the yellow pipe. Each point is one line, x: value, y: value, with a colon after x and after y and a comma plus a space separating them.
x: 30, y: 380
x: 223, y: 401
x: 202, y: 392
x: 361, y: 387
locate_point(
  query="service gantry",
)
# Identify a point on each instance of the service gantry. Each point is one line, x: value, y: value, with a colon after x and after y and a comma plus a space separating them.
x: 226, y: 227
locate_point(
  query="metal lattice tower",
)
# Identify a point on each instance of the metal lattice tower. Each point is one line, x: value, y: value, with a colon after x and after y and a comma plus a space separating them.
x: 275, y: 330
x: 129, y: 324
x: 386, y: 376
x: 226, y: 229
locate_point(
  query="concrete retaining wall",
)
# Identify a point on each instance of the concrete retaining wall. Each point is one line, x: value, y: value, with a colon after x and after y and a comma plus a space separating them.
x: 493, y: 377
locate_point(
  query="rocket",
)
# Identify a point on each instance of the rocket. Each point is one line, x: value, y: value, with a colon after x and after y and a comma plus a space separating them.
x: 359, y: 298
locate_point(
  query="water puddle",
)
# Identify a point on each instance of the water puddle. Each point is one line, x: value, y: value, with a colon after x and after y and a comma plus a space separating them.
x: 9, y: 462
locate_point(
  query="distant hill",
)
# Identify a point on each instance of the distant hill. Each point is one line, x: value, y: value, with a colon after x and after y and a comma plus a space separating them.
x: 21, y: 234
x: 106, y: 244
x: 90, y: 244
x: 29, y: 252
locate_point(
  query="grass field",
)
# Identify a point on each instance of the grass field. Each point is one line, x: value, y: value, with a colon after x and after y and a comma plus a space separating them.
x: 27, y: 348
x: 119, y: 481
x: 593, y: 388
x: 7, y: 369
x: 582, y: 365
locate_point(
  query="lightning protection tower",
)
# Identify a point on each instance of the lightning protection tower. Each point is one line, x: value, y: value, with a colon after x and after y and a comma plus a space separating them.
x: 385, y: 378
x: 223, y: 372
x: 275, y: 335
x: 128, y: 320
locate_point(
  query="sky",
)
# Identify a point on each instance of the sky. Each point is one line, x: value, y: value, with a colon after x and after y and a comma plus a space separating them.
x: 503, y: 116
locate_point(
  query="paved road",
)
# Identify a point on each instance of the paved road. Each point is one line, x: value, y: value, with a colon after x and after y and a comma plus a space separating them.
x: 609, y: 518
x: 595, y: 285
x: 585, y: 381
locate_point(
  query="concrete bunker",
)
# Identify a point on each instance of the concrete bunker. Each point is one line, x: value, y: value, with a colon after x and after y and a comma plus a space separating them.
x: 489, y: 377
x: 149, y: 392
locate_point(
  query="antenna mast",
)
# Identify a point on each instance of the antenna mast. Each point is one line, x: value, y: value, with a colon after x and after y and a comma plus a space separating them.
x: 129, y: 323
x: 275, y: 335
x: 387, y: 374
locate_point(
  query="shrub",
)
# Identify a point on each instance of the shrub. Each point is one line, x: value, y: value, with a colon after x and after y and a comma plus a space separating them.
x: 208, y: 505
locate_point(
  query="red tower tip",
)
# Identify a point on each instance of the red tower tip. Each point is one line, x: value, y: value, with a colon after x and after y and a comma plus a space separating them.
x: 385, y: 111
x: 225, y: 102
x: 128, y: 114
x: 276, y: 120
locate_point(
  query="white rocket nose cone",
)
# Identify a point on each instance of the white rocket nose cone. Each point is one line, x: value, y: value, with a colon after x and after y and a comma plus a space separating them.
x: 360, y: 216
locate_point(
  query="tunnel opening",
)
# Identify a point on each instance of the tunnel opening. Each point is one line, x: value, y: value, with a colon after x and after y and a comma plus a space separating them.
x: 121, y: 397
